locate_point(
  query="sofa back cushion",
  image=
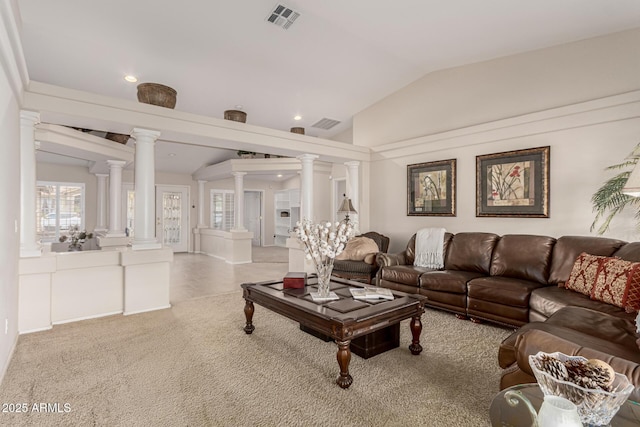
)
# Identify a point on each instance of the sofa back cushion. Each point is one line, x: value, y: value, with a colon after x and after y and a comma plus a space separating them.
x: 523, y: 256
x: 470, y: 252
x: 567, y: 249
x: 629, y: 252
x: 410, y: 251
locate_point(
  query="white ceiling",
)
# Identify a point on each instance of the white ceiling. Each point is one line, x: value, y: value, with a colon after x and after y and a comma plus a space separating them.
x: 338, y: 58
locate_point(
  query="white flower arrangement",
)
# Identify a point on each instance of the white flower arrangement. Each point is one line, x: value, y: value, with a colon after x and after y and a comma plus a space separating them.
x: 323, y: 241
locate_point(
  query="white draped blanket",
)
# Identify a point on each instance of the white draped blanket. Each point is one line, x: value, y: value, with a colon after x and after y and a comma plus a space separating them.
x: 430, y: 248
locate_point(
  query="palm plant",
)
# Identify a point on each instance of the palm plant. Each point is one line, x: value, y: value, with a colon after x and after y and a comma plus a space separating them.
x: 609, y: 200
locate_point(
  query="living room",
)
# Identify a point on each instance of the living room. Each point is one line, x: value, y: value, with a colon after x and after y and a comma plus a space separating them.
x: 580, y: 97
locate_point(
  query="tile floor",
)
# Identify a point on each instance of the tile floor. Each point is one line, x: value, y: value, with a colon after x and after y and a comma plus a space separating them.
x: 197, y: 275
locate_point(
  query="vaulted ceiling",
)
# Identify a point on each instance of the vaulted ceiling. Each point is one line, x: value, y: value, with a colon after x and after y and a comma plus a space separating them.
x: 337, y: 58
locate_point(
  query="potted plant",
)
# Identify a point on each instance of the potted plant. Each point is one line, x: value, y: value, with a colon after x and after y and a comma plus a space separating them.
x: 609, y: 200
x: 76, y: 238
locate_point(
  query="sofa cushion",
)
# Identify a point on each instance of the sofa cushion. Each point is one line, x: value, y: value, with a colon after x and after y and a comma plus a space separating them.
x: 403, y: 274
x: 629, y: 252
x: 470, y: 252
x: 567, y: 249
x: 523, y: 256
x: 583, y: 274
x: 447, y: 281
x: 549, y: 299
x: 502, y: 290
x: 618, y: 283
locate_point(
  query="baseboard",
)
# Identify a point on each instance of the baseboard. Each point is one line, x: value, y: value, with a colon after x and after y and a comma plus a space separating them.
x: 30, y: 331
x: 77, y: 319
x: 6, y: 365
x: 129, y: 313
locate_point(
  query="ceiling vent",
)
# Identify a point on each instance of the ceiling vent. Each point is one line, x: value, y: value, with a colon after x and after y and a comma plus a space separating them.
x: 282, y: 16
x: 325, y: 124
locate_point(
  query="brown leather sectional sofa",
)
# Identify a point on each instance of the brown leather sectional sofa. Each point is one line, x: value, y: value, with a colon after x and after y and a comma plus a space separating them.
x: 513, y: 280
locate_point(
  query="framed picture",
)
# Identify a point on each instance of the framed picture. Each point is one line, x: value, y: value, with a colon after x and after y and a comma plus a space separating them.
x: 431, y: 188
x: 513, y: 184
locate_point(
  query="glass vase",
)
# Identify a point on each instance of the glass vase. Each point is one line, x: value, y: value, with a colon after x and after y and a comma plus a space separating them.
x: 324, y: 277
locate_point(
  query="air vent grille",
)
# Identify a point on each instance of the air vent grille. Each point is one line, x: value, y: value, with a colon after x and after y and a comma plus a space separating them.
x: 282, y: 16
x: 325, y: 123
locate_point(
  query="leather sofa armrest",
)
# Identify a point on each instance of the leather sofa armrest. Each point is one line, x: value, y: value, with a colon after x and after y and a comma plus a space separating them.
x: 386, y: 260
x: 533, y: 341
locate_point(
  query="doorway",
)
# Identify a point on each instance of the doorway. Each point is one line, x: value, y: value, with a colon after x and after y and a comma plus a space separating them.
x: 172, y: 216
x: 253, y: 215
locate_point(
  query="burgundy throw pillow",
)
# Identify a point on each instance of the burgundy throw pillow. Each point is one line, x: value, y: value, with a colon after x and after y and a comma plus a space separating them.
x: 584, y: 272
x: 618, y: 283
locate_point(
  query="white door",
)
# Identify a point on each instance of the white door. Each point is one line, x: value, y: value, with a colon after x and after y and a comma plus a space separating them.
x: 172, y: 216
x: 253, y: 215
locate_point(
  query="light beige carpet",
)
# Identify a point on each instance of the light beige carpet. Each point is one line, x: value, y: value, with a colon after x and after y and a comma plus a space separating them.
x: 192, y: 365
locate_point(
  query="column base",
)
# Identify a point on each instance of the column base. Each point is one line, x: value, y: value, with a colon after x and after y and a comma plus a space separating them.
x: 109, y: 241
x: 139, y: 245
x: 30, y: 252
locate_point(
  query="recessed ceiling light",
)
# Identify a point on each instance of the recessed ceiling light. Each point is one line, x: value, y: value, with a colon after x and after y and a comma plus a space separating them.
x: 130, y: 78
x: 239, y: 107
x: 297, y: 118
x: 172, y: 154
x: 279, y: 175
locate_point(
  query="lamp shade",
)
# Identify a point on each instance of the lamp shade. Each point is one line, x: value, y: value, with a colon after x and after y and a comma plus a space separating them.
x: 632, y: 186
x: 347, y: 207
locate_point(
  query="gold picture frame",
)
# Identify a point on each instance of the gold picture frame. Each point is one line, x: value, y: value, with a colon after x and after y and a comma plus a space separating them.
x: 513, y: 184
x: 431, y: 188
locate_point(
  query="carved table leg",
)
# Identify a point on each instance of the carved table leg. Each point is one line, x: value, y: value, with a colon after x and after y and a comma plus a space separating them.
x: 416, y: 329
x: 344, y: 380
x: 248, y: 313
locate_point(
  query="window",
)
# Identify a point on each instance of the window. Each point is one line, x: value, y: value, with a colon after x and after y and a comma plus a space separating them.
x: 222, y: 209
x: 59, y: 206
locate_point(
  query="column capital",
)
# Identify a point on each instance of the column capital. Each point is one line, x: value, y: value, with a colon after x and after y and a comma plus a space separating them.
x: 116, y: 164
x: 202, y: 181
x: 29, y: 117
x: 352, y: 164
x: 237, y: 174
x: 101, y: 175
x: 307, y: 157
x: 138, y: 133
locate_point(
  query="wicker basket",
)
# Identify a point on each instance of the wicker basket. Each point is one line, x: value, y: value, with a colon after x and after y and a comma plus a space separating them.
x: 117, y: 137
x: 157, y: 94
x: 298, y: 130
x: 236, y: 116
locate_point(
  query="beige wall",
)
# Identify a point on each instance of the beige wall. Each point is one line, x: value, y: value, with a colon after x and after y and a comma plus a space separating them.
x: 504, y: 87
x: 571, y: 93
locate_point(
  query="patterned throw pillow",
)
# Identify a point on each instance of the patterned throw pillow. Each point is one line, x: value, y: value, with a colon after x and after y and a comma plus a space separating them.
x: 618, y: 283
x: 584, y: 272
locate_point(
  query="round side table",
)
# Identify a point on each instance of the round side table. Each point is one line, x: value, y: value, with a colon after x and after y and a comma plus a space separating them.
x: 502, y: 414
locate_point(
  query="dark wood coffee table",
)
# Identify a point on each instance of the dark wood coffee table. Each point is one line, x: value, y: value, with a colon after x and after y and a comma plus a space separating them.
x: 343, y: 320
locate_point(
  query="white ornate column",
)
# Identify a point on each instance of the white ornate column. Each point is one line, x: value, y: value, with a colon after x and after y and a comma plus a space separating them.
x: 115, y: 198
x: 238, y: 201
x: 306, y: 186
x: 145, y: 191
x: 101, y: 203
x: 353, y: 191
x: 201, y: 184
x: 29, y: 245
